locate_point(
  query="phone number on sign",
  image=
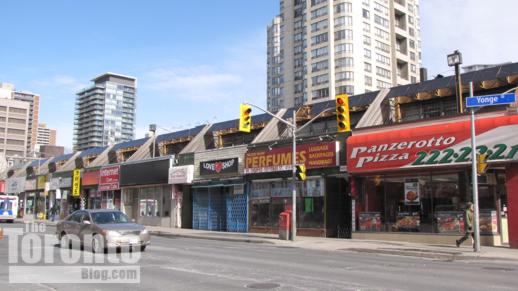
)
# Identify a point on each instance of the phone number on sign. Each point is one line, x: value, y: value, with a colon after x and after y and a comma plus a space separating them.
x: 448, y: 156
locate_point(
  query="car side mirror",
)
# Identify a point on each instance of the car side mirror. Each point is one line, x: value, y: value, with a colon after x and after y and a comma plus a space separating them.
x: 87, y: 222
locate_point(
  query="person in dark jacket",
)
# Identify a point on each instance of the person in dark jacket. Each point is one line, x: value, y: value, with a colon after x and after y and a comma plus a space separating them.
x: 468, y: 225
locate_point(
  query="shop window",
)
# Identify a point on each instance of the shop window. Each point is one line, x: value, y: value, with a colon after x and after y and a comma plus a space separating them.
x: 154, y: 201
x: 427, y: 203
x: 94, y: 199
x: 111, y: 200
x: 270, y: 198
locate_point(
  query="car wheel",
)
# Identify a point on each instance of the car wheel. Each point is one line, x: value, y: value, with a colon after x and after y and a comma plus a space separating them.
x: 98, y: 244
x: 142, y: 248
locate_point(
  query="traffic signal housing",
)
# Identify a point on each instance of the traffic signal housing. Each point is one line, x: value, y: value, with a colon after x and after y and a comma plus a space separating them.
x: 300, y: 172
x: 481, y: 163
x: 245, y: 118
x: 343, y: 121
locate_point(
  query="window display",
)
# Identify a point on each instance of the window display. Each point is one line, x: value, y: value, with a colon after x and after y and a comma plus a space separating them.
x: 269, y: 198
x: 425, y: 203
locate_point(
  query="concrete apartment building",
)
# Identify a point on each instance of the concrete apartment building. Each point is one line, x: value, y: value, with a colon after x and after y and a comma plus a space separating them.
x: 8, y: 91
x: 320, y: 48
x: 46, y: 136
x: 14, y: 125
x: 105, y: 112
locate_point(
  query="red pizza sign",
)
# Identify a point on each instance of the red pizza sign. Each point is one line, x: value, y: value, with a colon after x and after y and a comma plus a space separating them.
x: 433, y: 145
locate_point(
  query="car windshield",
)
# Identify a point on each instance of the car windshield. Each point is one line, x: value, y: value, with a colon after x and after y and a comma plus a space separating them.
x: 109, y: 217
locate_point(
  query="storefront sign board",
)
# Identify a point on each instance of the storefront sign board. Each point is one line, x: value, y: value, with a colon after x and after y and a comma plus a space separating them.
x: 90, y: 178
x: 54, y: 183
x: 109, y: 178
x: 433, y: 145
x: 15, y: 185
x: 181, y: 174
x: 65, y: 182
x: 41, y: 182
x: 30, y: 185
x: 76, y: 183
x: 219, y: 167
x: 318, y: 155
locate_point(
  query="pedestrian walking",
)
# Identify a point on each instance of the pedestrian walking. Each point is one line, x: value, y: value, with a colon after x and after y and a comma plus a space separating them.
x: 468, y: 226
x: 52, y: 212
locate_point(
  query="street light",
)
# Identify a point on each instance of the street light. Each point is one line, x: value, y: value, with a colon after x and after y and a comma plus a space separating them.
x: 152, y: 128
x: 454, y: 60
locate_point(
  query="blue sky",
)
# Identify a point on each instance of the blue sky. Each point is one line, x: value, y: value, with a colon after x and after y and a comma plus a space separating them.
x: 195, y: 60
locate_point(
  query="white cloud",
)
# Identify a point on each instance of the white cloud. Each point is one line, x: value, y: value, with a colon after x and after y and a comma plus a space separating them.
x: 60, y: 83
x: 484, y: 31
x: 238, y: 73
x: 198, y: 83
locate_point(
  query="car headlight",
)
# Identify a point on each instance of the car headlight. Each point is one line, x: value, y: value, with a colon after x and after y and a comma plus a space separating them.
x: 145, y: 231
x: 112, y: 233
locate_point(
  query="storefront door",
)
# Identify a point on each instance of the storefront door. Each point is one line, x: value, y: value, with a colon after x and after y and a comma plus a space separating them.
x: 338, y: 208
x: 209, y: 209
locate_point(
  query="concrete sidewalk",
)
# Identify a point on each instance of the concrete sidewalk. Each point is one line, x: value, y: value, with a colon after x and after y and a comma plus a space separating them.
x: 441, y: 252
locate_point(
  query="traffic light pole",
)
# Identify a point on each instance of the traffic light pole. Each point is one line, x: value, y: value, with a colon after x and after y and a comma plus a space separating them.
x: 474, y: 176
x: 293, y: 126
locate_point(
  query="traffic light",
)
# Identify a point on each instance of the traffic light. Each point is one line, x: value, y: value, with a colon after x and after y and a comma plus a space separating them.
x: 343, y: 121
x: 245, y: 119
x: 481, y: 163
x: 300, y: 172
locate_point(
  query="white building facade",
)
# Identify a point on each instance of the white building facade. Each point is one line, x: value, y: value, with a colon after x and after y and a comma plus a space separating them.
x: 329, y: 47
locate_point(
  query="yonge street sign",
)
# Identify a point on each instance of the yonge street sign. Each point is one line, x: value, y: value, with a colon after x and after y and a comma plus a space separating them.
x: 487, y: 100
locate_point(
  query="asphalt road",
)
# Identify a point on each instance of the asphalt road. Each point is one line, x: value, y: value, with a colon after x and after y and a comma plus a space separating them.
x: 197, y: 264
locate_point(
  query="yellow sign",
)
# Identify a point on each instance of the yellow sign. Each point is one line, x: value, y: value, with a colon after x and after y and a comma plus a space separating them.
x: 41, y: 182
x: 76, y: 183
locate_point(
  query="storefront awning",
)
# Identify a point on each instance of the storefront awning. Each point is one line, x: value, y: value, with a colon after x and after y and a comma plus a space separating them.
x: 445, y: 143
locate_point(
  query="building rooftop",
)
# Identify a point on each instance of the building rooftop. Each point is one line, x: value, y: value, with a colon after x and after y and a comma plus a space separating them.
x: 115, y: 75
x: 179, y: 134
x: 92, y: 151
x: 129, y: 144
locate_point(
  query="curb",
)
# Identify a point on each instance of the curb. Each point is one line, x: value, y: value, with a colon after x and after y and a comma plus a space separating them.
x: 407, y: 253
x: 195, y: 236
x: 428, y: 254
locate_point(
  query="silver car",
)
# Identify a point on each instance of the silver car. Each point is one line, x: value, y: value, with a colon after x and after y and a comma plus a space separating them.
x: 101, y: 229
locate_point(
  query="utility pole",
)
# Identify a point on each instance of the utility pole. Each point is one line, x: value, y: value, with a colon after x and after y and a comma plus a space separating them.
x: 474, y: 175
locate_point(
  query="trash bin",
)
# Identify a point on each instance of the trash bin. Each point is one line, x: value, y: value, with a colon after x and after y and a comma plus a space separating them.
x: 284, y: 225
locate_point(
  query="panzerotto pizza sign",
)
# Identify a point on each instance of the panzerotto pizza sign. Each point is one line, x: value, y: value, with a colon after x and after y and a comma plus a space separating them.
x: 433, y: 145
x: 219, y: 167
x: 318, y: 155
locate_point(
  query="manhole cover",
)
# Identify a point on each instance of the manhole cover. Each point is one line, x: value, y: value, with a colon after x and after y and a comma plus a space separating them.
x: 498, y: 269
x: 262, y: 285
